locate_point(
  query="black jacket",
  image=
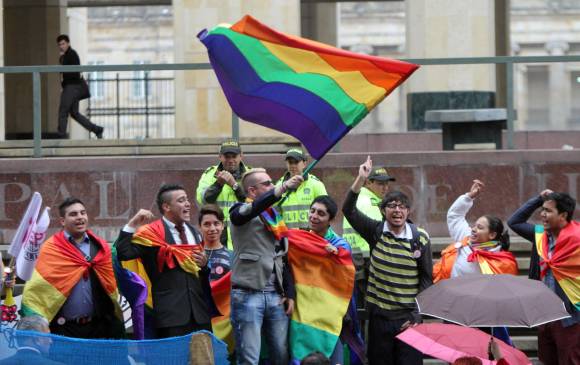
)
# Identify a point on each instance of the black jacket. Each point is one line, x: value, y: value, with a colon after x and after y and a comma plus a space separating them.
x: 70, y: 57
x: 178, y: 296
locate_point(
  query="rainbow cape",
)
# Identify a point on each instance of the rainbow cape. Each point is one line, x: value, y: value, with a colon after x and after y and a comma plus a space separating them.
x: 310, y: 90
x: 59, y: 268
x: 153, y: 235
x: 324, y: 286
x: 502, y: 262
x: 565, y: 260
x: 221, y: 325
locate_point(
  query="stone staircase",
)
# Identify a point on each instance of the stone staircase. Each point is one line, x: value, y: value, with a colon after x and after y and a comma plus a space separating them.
x: 524, y: 339
x: 144, y: 147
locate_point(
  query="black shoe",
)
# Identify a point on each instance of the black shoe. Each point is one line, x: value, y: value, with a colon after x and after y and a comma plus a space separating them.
x: 60, y: 135
x: 99, y: 132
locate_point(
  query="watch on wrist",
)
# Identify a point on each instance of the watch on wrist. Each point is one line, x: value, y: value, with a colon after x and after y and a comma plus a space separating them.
x: 235, y: 186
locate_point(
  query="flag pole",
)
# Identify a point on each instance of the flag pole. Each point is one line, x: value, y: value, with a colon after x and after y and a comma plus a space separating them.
x: 304, y: 174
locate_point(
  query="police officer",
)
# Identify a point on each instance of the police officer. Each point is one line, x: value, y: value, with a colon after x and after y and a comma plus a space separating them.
x: 369, y: 199
x: 219, y: 184
x: 296, y: 205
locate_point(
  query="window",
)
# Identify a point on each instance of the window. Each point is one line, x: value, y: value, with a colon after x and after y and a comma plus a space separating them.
x: 140, y: 87
x: 96, y: 81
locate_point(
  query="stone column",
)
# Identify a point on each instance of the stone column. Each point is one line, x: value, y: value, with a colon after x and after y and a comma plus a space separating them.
x: 559, y: 86
x: 448, y: 28
x: 201, y: 109
x: 320, y: 21
x: 78, y: 33
x: 30, y: 31
x: 2, y: 116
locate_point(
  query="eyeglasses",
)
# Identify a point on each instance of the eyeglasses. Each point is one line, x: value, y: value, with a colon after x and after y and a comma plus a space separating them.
x: 395, y: 206
x: 264, y: 183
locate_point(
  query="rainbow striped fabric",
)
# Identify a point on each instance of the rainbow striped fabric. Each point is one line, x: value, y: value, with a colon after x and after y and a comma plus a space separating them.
x: 564, y: 261
x: 153, y: 235
x: 324, y: 285
x: 310, y: 90
x: 221, y: 325
x: 59, y: 268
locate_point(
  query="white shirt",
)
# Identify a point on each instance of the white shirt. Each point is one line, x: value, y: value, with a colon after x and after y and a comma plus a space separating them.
x: 407, y: 233
x: 459, y: 229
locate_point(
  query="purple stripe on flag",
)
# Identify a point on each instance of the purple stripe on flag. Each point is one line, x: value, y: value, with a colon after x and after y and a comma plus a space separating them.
x: 283, y: 107
x: 287, y: 120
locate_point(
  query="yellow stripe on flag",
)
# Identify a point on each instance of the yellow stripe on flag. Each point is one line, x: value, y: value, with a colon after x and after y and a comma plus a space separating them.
x: 353, y: 83
x: 314, y: 304
x: 41, y: 297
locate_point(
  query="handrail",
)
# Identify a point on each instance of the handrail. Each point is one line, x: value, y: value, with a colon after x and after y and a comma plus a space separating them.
x: 507, y: 60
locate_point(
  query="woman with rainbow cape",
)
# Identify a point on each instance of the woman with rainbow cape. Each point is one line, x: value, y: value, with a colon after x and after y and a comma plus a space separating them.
x: 480, y: 249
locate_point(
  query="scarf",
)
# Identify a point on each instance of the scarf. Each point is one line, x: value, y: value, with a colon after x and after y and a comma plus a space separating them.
x: 564, y: 261
x: 502, y: 262
x: 59, y: 268
x: 153, y: 235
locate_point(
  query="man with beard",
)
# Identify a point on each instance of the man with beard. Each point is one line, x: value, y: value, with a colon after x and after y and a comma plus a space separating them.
x: 554, y: 261
x: 401, y: 267
x: 73, y: 285
x: 263, y: 292
x: 174, y: 261
x: 220, y: 184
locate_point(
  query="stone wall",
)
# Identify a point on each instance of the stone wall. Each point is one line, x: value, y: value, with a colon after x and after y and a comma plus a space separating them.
x: 115, y: 188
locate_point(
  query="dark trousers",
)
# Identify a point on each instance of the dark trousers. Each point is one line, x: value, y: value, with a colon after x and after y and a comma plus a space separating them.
x: 93, y: 329
x: 384, y: 348
x: 182, y: 330
x: 69, y: 104
x: 558, y: 345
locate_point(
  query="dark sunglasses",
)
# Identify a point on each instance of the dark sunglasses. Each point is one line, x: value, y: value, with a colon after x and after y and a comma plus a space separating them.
x: 264, y: 183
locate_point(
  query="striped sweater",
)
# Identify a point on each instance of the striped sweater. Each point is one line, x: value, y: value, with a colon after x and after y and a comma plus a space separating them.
x: 396, y: 277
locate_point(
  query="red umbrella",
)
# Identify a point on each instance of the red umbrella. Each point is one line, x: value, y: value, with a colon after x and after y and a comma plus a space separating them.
x: 448, y: 342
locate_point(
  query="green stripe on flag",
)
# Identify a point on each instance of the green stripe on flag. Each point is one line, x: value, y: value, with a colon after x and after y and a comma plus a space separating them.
x: 305, y: 339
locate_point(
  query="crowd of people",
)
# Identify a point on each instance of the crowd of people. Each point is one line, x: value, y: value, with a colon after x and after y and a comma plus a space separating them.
x: 241, y: 210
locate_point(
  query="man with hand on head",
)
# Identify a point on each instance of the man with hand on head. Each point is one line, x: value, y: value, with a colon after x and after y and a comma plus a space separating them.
x: 175, y: 262
x: 263, y: 291
x: 554, y: 261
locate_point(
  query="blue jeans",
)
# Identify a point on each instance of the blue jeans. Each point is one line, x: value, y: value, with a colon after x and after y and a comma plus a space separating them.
x: 256, y: 315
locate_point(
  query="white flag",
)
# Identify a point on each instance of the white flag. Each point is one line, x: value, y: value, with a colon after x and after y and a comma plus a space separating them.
x: 29, y: 252
x: 26, y: 224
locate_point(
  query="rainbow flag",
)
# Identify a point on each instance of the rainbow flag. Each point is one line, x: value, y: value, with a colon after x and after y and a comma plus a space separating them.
x: 310, y: 90
x: 221, y: 325
x: 324, y: 286
x: 565, y: 259
x: 59, y: 268
x: 153, y: 235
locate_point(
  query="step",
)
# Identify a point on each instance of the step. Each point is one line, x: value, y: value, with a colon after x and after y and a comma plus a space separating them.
x: 135, y: 147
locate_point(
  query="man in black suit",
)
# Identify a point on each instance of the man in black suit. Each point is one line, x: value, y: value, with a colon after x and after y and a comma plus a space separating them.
x: 72, y: 89
x: 182, y: 301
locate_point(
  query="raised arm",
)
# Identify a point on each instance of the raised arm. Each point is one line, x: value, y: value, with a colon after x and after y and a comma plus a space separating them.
x: 242, y: 213
x: 518, y: 222
x: 364, y: 225
x: 125, y: 249
x: 456, y: 222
